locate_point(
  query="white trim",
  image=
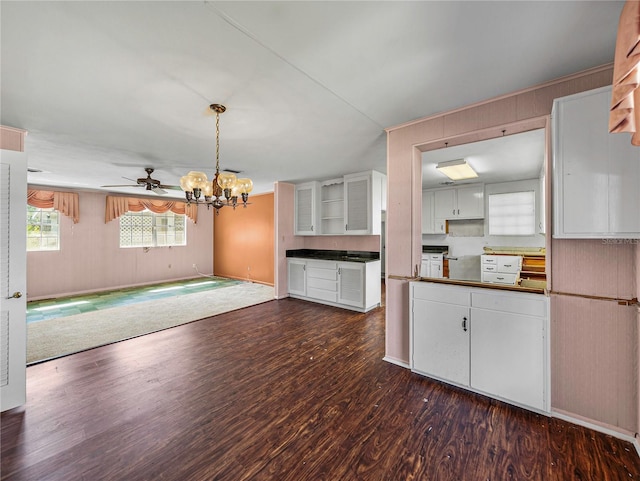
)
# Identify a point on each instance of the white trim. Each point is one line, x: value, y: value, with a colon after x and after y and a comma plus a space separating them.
x: 625, y: 436
x: 397, y: 362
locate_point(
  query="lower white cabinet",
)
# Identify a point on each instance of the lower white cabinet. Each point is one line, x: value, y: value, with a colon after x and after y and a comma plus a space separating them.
x: 489, y: 341
x: 352, y: 285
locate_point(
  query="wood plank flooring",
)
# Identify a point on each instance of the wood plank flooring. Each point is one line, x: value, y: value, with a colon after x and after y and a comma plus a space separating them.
x: 289, y: 391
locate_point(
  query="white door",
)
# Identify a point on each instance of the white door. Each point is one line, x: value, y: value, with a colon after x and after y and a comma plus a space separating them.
x: 441, y: 341
x: 507, y: 356
x: 351, y: 284
x: 13, y: 278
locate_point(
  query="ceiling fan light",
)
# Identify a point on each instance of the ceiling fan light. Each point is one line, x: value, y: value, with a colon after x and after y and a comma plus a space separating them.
x: 457, y: 169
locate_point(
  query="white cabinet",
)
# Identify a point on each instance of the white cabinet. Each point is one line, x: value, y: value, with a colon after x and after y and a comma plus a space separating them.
x: 501, y: 269
x: 363, y: 204
x: 350, y: 205
x: 297, y: 277
x: 352, y: 285
x: 432, y: 265
x: 332, y: 207
x: 306, y: 209
x: 444, y: 343
x: 464, y: 202
x: 490, y: 341
x: 428, y: 213
x: 595, y: 174
x: 322, y: 280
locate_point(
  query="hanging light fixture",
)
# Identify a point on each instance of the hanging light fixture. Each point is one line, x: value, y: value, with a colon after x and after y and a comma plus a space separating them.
x: 224, y: 184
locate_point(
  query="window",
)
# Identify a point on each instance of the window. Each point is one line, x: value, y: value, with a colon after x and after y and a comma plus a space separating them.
x: 146, y: 229
x: 43, y: 229
x: 512, y: 213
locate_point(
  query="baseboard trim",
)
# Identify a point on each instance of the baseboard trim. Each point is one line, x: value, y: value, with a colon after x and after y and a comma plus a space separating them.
x: 397, y: 362
x: 605, y: 429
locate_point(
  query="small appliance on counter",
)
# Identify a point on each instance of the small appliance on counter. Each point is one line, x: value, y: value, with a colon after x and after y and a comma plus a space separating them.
x: 433, y: 264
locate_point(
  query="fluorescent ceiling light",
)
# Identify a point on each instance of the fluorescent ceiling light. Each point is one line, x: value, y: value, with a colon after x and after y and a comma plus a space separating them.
x: 457, y: 169
x: 60, y: 306
x: 167, y: 289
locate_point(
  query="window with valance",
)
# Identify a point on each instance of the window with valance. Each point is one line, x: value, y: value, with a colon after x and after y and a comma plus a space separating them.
x: 64, y: 202
x: 116, y: 206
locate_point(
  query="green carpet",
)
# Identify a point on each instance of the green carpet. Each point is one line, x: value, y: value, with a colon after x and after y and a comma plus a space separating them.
x: 96, y: 301
x: 57, y: 337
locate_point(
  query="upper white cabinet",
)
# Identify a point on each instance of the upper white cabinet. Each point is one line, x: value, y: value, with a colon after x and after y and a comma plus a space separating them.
x: 464, y: 202
x: 350, y: 205
x: 306, y: 208
x: 332, y: 207
x: 595, y: 174
x: 428, y: 213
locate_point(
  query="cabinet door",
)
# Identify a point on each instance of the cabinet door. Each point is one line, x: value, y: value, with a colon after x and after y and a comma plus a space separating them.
x: 624, y: 186
x: 351, y: 284
x: 357, y: 205
x: 444, y: 203
x: 428, y: 220
x: 297, y: 277
x: 507, y: 356
x: 440, y: 340
x: 470, y: 202
x: 305, y: 208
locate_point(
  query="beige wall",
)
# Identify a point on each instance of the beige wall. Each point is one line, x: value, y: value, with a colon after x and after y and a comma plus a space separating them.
x: 90, y: 258
x: 594, y: 354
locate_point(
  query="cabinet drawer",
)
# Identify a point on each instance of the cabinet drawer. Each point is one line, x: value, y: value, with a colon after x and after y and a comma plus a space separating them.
x: 489, y: 259
x: 499, y: 278
x: 322, y: 294
x: 448, y: 295
x: 527, y: 304
x: 489, y: 268
x: 322, y: 264
x: 434, y: 257
x: 315, y: 273
x: 509, y: 263
x: 325, y: 284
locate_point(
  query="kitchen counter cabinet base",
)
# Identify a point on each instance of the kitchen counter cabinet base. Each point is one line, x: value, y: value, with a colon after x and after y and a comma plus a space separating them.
x: 493, y: 343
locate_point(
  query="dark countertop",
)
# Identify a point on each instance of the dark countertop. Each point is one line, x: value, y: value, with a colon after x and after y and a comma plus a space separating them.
x: 331, y: 255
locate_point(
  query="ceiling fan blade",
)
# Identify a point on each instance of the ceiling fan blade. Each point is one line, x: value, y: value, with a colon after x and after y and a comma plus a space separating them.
x: 132, y: 180
x: 170, y: 187
x: 159, y: 191
x: 122, y: 185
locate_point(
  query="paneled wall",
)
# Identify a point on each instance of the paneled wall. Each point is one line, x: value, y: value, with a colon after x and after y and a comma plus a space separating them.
x: 244, y: 241
x: 594, y: 358
x: 90, y: 258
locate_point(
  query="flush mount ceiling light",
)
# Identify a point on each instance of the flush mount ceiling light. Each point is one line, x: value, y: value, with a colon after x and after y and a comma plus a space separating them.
x: 457, y: 169
x: 196, y: 184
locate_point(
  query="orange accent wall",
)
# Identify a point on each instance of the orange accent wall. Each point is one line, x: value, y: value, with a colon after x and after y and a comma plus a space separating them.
x: 243, y: 242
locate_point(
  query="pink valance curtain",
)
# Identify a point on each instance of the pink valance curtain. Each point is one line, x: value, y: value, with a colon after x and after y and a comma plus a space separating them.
x: 625, y: 99
x: 65, y: 202
x: 116, y: 206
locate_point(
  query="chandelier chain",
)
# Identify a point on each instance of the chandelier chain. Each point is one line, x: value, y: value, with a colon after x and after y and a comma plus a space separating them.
x: 217, y: 141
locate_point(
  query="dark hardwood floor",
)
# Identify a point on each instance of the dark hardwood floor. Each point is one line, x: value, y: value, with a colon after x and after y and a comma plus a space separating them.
x: 289, y: 391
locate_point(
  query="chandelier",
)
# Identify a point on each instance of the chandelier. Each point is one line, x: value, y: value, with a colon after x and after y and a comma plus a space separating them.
x: 196, y: 185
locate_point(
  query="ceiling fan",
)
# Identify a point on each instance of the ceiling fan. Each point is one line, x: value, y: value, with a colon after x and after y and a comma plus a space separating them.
x: 148, y: 183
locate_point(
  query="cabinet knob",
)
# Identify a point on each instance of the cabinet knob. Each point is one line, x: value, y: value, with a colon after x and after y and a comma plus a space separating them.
x: 15, y: 295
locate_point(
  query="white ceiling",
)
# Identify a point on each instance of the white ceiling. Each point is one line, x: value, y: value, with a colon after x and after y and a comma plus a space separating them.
x: 108, y: 88
x: 503, y: 159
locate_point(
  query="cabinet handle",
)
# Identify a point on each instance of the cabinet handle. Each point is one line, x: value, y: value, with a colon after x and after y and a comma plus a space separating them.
x: 453, y: 212
x: 312, y: 228
x: 304, y: 267
x: 458, y: 211
x: 339, y: 270
x: 507, y: 265
x: 346, y: 227
x: 464, y: 324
